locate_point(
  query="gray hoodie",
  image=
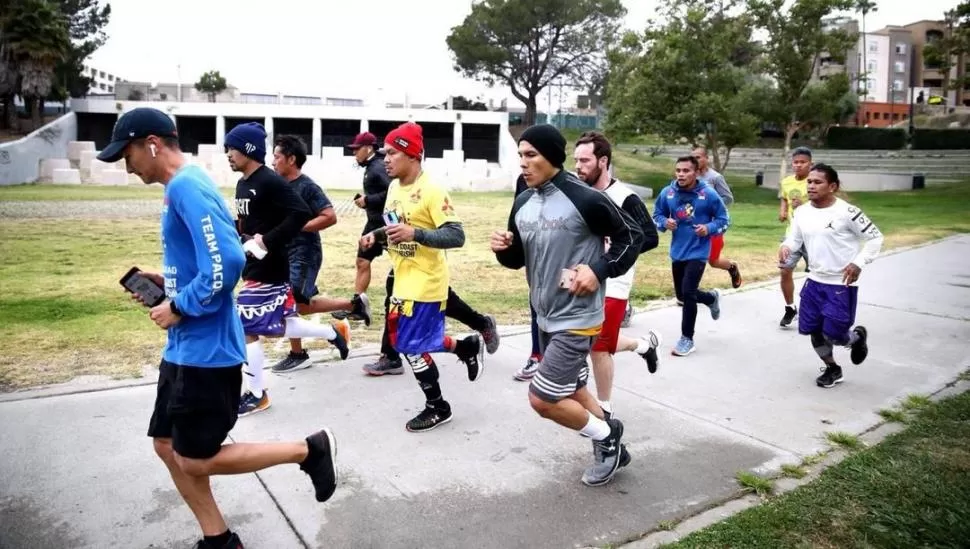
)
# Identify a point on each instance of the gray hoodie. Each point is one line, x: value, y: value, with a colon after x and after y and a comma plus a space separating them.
x: 559, y: 225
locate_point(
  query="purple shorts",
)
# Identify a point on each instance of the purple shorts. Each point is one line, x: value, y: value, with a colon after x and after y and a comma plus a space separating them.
x: 827, y: 308
x: 263, y: 308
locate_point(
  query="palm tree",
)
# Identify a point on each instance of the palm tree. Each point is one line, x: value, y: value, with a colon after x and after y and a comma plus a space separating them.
x: 865, y: 7
x: 36, y: 33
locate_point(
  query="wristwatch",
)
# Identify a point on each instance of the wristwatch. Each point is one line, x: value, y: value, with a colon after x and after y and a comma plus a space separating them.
x: 175, y: 310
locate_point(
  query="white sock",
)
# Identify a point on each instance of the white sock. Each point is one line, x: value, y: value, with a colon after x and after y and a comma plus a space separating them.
x: 596, y: 428
x: 792, y: 305
x: 643, y: 345
x: 254, y: 368
x: 298, y: 328
x: 607, y: 406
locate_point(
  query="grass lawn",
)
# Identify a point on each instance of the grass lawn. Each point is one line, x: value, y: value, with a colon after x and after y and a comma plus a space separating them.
x: 63, y: 314
x: 911, y: 490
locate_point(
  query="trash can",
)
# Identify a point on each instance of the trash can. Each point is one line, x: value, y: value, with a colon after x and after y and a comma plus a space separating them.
x: 919, y: 181
x: 759, y: 178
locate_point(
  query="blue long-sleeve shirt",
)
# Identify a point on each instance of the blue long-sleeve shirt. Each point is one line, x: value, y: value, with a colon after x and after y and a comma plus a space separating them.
x: 698, y: 206
x: 202, y: 262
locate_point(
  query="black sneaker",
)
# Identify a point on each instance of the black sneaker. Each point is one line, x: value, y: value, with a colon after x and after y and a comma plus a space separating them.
x: 790, y: 313
x: 342, y: 330
x: 233, y: 543
x: 471, y: 353
x: 321, y: 463
x: 490, y: 335
x: 654, y: 341
x: 361, y: 310
x: 384, y: 367
x: 293, y: 361
x: 430, y: 417
x: 735, y: 273
x: 860, y: 349
x: 831, y: 375
x: 624, y: 456
x: 340, y: 315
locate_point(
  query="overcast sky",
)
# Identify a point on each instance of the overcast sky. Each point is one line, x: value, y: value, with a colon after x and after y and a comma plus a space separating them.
x: 331, y: 48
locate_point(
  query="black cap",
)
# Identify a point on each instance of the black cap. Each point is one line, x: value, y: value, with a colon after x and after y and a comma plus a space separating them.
x: 135, y: 124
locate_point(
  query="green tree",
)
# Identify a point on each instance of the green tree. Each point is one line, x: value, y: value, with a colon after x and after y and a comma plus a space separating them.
x: 864, y: 7
x: 86, y: 20
x: 212, y: 84
x: 687, y: 79
x: 36, y: 39
x: 462, y: 103
x: 528, y: 44
x: 794, y: 45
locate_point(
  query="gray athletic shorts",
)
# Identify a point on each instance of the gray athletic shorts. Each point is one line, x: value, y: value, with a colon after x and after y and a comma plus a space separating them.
x: 795, y: 257
x: 563, y: 369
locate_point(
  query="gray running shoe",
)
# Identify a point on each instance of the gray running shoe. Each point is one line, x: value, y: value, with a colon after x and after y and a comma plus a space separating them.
x: 490, y: 335
x: 607, y: 456
x: 384, y: 367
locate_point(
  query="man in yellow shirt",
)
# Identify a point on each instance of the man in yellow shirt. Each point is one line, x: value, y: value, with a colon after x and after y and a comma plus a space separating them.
x: 420, y: 224
x: 792, y: 193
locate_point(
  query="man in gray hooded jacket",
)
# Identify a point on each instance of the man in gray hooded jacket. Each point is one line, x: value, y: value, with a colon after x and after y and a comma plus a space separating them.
x: 571, y: 239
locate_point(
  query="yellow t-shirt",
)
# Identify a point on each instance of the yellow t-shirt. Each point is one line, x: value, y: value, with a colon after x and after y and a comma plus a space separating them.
x: 420, y: 272
x: 793, y: 190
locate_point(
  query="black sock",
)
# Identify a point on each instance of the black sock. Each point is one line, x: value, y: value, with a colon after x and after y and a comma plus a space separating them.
x: 428, y: 381
x: 219, y: 541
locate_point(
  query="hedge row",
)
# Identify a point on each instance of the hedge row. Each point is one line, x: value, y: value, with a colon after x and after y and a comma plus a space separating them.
x: 842, y: 137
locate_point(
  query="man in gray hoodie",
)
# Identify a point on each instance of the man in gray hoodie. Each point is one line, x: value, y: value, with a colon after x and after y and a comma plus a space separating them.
x: 557, y: 230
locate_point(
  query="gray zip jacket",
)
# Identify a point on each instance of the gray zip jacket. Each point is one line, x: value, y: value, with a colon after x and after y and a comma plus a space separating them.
x: 559, y: 225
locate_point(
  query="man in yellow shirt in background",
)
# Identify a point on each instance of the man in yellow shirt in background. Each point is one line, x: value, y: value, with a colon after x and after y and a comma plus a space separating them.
x: 792, y: 193
x: 420, y: 224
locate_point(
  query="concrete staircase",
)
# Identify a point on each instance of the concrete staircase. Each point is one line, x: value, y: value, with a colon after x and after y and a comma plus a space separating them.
x: 943, y: 164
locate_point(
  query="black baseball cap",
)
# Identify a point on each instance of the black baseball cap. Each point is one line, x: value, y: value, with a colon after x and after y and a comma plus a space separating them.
x: 136, y: 124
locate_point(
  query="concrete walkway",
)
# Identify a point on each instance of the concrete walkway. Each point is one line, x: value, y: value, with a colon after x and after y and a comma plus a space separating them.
x: 78, y: 471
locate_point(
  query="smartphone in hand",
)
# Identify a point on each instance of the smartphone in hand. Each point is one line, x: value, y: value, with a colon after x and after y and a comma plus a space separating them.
x: 150, y: 292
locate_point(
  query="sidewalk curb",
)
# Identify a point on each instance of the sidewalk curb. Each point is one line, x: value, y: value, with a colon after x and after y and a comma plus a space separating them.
x: 682, y: 527
x: 93, y: 384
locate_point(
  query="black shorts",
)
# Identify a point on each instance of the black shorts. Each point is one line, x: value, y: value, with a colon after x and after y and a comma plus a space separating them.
x: 196, y: 407
x: 376, y: 250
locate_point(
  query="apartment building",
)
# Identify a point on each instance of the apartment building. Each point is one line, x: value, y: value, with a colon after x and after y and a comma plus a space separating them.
x: 102, y: 82
x: 930, y: 76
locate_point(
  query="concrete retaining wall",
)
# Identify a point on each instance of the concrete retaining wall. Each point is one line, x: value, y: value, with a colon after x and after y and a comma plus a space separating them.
x: 859, y: 181
x: 20, y: 159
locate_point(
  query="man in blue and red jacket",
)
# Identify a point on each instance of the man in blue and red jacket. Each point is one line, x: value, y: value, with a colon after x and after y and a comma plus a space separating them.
x: 693, y: 212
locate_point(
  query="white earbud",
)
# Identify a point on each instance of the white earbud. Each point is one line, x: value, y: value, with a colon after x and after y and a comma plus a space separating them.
x: 152, y: 147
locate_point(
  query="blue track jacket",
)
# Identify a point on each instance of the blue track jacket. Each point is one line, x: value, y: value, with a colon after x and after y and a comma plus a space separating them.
x: 698, y: 206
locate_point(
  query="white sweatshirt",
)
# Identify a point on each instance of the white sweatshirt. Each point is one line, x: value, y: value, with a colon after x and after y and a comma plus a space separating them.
x: 619, y: 287
x: 833, y: 237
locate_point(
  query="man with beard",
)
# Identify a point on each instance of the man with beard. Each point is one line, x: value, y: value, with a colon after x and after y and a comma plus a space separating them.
x: 593, y: 155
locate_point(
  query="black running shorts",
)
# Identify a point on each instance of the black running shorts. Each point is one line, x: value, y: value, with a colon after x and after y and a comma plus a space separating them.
x: 375, y: 251
x: 196, y: 407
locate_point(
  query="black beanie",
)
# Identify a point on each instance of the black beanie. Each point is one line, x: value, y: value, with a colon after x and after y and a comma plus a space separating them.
x: 548, y: 141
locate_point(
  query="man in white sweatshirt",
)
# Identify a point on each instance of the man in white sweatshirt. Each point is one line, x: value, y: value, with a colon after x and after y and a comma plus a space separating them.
x: 840, y: 239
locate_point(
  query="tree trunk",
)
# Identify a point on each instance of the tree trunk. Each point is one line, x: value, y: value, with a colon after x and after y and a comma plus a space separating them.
x: 10, y: 113
x: 727, y: 159
x: 790, y: 130
x: 38, y: 113
x: 529, y: 119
